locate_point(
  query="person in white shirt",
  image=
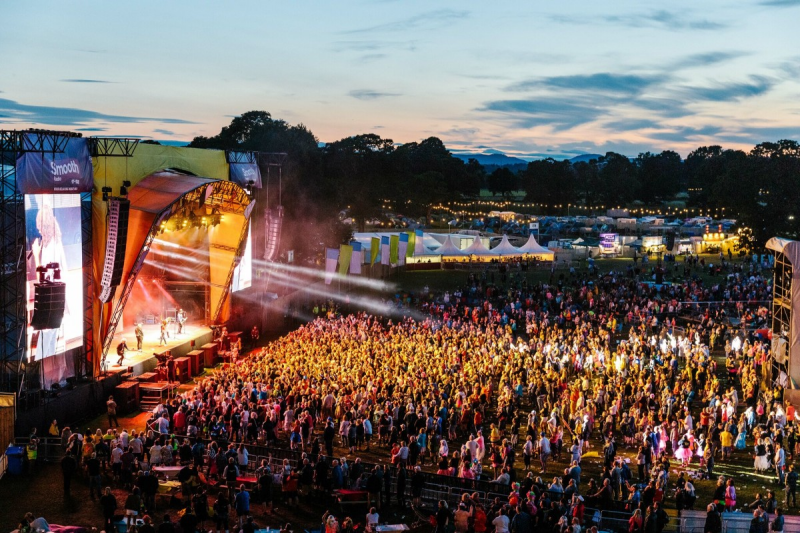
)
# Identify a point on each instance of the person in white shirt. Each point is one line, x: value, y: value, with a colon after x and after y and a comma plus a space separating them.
x: 163, y: 425
x: 372, y: 519
x: 500, y: 523
x: 544, y: 451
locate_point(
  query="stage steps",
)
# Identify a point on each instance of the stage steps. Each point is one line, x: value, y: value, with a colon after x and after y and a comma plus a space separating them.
x: 151, y: 394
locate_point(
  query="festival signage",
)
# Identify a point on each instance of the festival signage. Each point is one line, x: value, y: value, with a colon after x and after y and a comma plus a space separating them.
x: 65, y: 172
x: 242, y: 173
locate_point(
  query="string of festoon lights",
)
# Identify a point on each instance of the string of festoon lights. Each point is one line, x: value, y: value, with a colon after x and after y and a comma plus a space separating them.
x: 469, y: 208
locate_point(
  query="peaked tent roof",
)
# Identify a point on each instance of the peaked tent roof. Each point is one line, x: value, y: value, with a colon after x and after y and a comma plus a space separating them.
x: 505, y: 248
x: 534, y: 248
x: 477, y: 248
x: 449, y: 249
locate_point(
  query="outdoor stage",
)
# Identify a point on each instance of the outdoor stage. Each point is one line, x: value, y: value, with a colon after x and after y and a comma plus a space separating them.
x: 145, y: 361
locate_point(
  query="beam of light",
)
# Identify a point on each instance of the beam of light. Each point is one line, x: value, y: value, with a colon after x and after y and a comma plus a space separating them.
x: 185, y: 257
x: 375, y: 284
x: 182, y: 271
x: 362, y: 302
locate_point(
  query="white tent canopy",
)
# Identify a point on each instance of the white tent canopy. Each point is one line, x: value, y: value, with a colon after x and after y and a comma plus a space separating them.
x: 505, y: 248
x: 449, y: 249
x: 478, y: 248
x: 534, y: 248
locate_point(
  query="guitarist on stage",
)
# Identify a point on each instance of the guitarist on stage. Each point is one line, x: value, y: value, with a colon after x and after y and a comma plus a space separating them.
x: 122, y: 347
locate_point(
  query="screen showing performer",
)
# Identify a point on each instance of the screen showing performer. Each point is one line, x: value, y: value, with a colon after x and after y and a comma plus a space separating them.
x: 243, y: 272
x: 53, y: 232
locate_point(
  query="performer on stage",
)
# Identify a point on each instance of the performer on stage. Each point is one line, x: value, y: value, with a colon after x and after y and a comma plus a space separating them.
x: 163, y: 340
x: 181, y: 317
x: 121, y: 348
x: 139, y: 336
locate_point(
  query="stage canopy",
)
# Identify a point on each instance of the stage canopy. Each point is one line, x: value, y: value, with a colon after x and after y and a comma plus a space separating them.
x: 166, y: 182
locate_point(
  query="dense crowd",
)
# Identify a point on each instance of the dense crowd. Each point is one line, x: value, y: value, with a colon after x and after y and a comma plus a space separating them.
x: 505, y: 382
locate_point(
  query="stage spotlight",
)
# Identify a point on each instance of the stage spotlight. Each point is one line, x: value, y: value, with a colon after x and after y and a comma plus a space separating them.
x: 106, y: 192
x: 123, y: 190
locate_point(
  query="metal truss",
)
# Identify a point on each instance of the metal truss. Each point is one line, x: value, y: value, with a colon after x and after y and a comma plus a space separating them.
x: 13, y: 271
x: 112, y: 146
x: 272, y: 159
x: 82, y: 367
x: 228, y: 197
x: 269, y: 159
x: 782, y: 307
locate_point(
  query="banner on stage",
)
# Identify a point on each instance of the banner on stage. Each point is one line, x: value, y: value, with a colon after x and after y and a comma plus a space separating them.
x: 241, y: 173
x: 64, y: 172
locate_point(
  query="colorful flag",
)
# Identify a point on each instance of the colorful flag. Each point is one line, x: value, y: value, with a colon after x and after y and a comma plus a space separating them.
x: 331, y: 258
x: 375, y: 248
x: 418, y: 248
x: 345, y: 255
x: 394, y: 244
x: 402, y: 248
x: 385, y: 250
x: 358, y: 258
x: 412, y: 239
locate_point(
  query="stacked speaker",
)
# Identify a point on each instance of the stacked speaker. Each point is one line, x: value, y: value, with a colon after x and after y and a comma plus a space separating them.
x: 118, y: 211
x: 48, y: 305
x: 272, y: 235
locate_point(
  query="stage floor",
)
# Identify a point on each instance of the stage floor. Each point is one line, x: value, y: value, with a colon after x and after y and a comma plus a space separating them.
x: 145, y: 361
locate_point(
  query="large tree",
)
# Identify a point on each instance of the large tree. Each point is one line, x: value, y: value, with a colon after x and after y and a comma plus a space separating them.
x: 549, y: 182
x: 660, y: 175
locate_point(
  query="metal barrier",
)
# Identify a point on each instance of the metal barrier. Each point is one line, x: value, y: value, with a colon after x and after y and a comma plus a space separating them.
x: 49, y: 449
x: 3, y: 465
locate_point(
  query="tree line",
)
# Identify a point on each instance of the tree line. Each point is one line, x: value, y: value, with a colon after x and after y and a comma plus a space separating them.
x: 360, y: 173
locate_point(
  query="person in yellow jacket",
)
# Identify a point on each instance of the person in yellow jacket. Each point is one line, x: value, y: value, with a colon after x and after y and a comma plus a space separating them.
x: 33, y: 451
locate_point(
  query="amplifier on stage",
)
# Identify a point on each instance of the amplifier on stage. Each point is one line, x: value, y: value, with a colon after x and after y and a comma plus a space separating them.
x: 148, y: 377
x: 210, y: 354
x: 198, y: 361
x: 126, y: 395
x: 183, y: 367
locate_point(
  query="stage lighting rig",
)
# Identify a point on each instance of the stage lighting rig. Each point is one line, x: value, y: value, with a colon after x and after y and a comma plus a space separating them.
x: 123, y: 189
x: 106, y: 191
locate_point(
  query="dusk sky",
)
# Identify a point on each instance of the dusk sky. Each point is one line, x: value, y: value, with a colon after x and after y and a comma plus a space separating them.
x: 530, y: 79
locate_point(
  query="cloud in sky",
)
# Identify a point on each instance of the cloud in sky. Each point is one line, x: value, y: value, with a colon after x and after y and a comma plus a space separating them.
x: 366, y: 94
x: 780, y: 3
x: 662, y: 19
x: 85, y: 81
x: 67, y: 116
x: 732, y: 91
x: 424, y: 21
x: 603, y: 82
x: 528, y: 78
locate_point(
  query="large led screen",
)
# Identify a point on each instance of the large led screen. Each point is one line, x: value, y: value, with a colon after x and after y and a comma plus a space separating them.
x: 53, y: 234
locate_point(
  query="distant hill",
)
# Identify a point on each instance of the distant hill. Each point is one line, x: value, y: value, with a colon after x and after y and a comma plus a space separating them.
x: 497, y: 160
x: 585, y: 158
